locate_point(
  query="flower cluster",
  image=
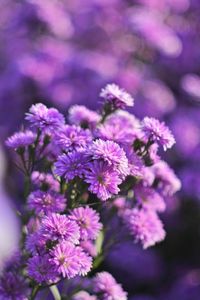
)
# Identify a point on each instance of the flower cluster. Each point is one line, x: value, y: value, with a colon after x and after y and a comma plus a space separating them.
x: 76, y: 175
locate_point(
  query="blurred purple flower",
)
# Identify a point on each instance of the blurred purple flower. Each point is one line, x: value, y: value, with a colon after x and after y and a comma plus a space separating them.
x: 158, y: 132
x: 21, y: 139
x: 116, y: 96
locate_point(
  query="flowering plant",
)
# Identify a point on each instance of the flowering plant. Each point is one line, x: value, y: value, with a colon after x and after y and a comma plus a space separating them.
x: 81, y: 176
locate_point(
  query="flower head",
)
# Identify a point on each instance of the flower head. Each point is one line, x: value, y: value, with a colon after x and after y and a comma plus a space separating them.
x: 88, y: 221
x: 82, y: 116
x: 60, y: 227
x: 41, y: 269
x: 21, y: 139
x: 148, y: 197
x: 145, y: 226
x: 46, y: 202
x: 13, y: 286
x: 120, y: 127
x: 82, y: 295
x: 43, y: 118
x: 44, y: 181
x: 158, y: 132
x: 106, y: 285
x: 73, y: 137
x: 168, y: 183
x: 116, y: 96
x: 67, y: 259
x: 135, y: 163
x: 111, y: 153
x: 89, y: 247
x: 71, y: 165
x: 35, y: 243
x: 103, y: 181
x: 84, y: 260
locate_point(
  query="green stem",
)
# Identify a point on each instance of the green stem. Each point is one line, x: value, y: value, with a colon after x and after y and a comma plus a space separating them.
x: 34, y: 292
x: 55, y: 292
x: 27, y: 184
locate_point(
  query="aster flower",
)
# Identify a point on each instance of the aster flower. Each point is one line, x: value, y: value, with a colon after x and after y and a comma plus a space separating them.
x: 135, y: 163
x: 45, y: 181
x: 82, y: 116
x: 103, y: 181
x: 120, y: 127
x: 111, y: 153
x: 148, y: 176
x: 33, y: 224
x: 46, y: 202
x: 88, y: 221
x: 108, y: 288
x: 167, y: 181
x: 115, y: 133
x: 116, y: 96
x: 124, y: 118
x: 73, y: 137
x: 145, y: 226
x: 13, y: 261
x: 82, y: 295
x: 71, y: 165
x: 147, y: 196
x: 13, y: 286
x: 158, y: 132
x: 60, y: 227
x: 84, y: 260
x: 35, y: 243
x: 41, y: 269
x: 153, y: 153
x: 120, y: 203
x: 21, y: 139
x: 89, y: 247
x: 46, y: 119
x: 64, y: 257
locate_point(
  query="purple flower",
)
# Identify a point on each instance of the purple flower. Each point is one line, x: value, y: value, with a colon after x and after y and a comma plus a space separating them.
x: 115, y: 133
x: 111, y: 153
x: 108, y: 288
x: 73, y: 137
x: 88, y: 221
x: 135, y: 163
x: 33, y: 224
x: 71, y: 165
x: 46, y: 202
x: 102, y: 179
x: 158, y: 132
x: 89, y: 247
x: 13, y: 286
x: 35, y: 243
x: 116, y: 96
x: 64, y: 257
x: 45, y: 181
x: 43, y: 118
x: 145, y: 226
x: 148, y: 197
x: 82, y: 295
x: 41, y: 269
x: 168, y: 183
x: 82, y: 116
x: 84, y: 260
x: 120, y: 127
x: 13, y: 261
x: 60, y: 227
x: 124, y: 118
x: 21, y: 139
